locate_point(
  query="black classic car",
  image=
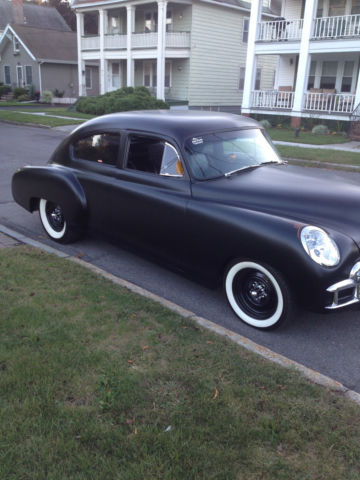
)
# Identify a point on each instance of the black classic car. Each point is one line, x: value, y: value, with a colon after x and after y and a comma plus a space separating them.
x: 207, y: 193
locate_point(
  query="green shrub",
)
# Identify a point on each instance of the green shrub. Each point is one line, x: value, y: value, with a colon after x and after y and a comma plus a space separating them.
x: 265, y: 123
x: 121, y: 100
x: 23, y: 98
x: 47, y: 96
x: 18, y: 91
x: 4, y: 89
x: 320, y: 130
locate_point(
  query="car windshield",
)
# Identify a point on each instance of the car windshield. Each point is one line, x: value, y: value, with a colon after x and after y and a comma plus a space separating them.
x: 225, y: 153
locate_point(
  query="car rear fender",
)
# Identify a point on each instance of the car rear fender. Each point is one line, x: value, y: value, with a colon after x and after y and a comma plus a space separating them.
x: 54, y: 183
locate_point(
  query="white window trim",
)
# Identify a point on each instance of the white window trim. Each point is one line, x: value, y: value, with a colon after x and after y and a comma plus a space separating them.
x: 5, y: 66
x: 19, y: 67
x: 32, y: 75
x: 241, y: 67
x: 152, y: 64
x: 257, y: 69
x: 91, y: 83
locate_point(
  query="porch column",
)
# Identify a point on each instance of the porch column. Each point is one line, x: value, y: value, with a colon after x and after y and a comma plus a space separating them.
x: 160, y: 89
x: 250, y: 68
x: 130, y: 23
x: 304, y: 58
x: 102, y: 73
x: 81, y: 63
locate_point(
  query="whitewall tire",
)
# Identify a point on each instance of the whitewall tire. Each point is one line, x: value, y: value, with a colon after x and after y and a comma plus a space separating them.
x: 258, y: 295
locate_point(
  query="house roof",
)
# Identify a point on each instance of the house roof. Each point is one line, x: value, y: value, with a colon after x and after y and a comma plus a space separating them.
x: 48, y: 45
x: 35, y: 16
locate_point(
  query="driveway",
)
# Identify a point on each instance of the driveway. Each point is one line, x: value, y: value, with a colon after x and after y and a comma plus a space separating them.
x: 327, y: 343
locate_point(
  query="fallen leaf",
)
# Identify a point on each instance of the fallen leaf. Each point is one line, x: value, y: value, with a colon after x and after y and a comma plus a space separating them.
x: 209, y: 342
x: 80, y: 254
x: 216, y: 394
x: 130, y: 421
x: 133, y: 315
x: 135, y: 431
x: 32, y: 294
x: 131, y: 361
x: 184, y: 327
x: 145, y: 347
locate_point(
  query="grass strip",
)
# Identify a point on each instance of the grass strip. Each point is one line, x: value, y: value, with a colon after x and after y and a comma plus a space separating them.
x: 97, y: 382
x: 16, y: 117
x: 288, y: 135
x: 319, y: 155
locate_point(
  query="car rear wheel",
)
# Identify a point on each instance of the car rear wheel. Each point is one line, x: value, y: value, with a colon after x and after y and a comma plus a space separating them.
x: 54, y: 222
x: 258, y: 295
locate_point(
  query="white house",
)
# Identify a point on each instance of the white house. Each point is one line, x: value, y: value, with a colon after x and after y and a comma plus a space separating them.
x: 317, y: 46
x: 185, y: 50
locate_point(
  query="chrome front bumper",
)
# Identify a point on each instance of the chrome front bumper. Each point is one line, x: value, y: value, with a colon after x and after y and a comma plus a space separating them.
x: 346, y: 292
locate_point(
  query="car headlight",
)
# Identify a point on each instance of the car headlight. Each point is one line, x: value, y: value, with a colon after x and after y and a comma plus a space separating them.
x: 319, y: 246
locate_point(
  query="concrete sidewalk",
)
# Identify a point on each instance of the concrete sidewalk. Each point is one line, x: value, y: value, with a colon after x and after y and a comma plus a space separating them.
x: 7, y: 242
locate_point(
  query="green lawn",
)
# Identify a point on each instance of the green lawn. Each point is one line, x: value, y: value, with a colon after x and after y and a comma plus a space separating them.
x: 16, y: 117
x: 97, y: 382
x: 319, y: 155
x: 288, y: 135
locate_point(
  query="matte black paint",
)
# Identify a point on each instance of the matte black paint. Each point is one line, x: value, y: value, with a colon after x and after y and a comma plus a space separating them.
x: 201, y: 226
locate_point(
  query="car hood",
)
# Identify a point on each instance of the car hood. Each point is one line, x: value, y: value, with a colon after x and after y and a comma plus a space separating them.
x: 303, y: 194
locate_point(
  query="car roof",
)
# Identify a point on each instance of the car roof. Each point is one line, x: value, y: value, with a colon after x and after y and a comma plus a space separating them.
x: 178, y: 124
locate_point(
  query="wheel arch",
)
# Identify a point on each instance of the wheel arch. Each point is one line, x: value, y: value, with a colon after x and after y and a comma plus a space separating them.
x: 54, y: 183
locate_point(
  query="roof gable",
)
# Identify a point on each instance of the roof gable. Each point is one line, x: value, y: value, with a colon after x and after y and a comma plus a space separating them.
x: 35, y: 16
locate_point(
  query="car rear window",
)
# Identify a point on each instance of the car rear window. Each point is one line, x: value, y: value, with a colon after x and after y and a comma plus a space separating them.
x: 99, y: 148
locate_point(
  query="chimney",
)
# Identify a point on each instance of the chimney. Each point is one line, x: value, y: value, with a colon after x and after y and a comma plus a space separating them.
x: 17, y: 11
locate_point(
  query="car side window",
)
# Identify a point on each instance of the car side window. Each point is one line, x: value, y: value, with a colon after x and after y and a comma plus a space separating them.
x: 99, y: 148
x: 154, y: 155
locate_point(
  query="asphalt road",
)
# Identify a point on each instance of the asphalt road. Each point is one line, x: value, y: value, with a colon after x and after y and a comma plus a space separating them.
x: 327, y: 343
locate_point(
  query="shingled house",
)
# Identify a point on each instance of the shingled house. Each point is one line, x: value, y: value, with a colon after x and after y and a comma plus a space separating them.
x: 37, y: 48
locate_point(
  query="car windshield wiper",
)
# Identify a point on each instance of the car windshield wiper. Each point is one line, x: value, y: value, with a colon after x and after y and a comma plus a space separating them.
x: 249, y: 167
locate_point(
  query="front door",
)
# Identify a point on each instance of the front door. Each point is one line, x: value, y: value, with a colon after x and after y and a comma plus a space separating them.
x: 19, y: 75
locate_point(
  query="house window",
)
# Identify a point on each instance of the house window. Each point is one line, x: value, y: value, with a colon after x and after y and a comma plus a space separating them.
x: 16, y: 44
x: 311, y: 81
x: 115, y: 75
x: 242, y: 78
x: 336, y: 8
x: 19, y: 75
x: 151, y: 22
x: 320, y: 9
x: 169, y: 21
x: 328, y: 75
x: 168, y: 74
x: 99, y: 148
x: 28, y: 75
x: 150, y: 74
x: 88, y: 77
x: 245, y: 30
x: 7, y: 75
x: 347, y: 76
x: 114, y: 25
x: 355, y: 7
x: 258, y: 79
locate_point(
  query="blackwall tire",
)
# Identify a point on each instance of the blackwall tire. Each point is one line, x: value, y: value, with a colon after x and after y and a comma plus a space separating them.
x: 258, y: 294
x: 54, y: 222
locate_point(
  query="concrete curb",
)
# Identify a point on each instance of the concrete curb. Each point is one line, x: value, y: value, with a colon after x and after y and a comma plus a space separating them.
x: 314, y: 163
x: 311, y: 375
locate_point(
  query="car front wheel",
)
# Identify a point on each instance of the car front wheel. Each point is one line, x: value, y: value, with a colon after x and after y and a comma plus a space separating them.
x: 258, y: 295
x: 54, y: 222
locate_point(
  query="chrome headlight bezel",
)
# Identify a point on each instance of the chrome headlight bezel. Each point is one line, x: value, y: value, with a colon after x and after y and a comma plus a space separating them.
x: 320, y: 247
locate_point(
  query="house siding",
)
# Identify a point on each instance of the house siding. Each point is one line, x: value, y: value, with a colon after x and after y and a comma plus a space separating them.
x: 61, y: 77
x: 291, y: 9
x: 13, y: 60
x: 179, y: 79
x: 216, y: 55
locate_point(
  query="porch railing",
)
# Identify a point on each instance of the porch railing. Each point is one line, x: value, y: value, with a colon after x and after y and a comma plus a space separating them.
x: 278, y: 30
x: 329, y: 102
x: 90, y: 42
x: 115, y: 41
x: 178, y: 39
x: 144, y: 40
x: 272, y: 99
x: 335, y: 27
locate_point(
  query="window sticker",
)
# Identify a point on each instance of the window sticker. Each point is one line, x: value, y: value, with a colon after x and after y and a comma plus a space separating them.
x: 197, y: 141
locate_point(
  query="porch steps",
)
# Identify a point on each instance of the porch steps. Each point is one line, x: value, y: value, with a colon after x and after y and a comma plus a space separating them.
x: 7, y: 97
